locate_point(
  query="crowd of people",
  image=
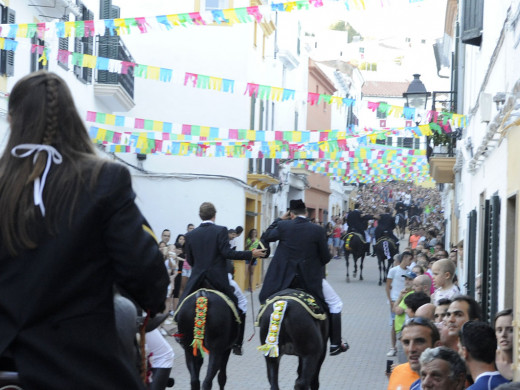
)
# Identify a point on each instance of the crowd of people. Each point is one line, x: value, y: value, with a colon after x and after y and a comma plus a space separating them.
x: 438, y: 339
x: 379, y: 207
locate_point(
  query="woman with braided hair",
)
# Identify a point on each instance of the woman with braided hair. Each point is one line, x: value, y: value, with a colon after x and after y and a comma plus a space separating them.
x: 70, y: 232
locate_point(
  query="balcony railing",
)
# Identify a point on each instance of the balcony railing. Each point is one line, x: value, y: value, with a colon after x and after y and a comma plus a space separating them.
x: 114, y: 48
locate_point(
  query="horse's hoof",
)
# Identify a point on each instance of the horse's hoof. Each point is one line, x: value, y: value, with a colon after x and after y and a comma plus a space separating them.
x: 361, y: 277
x: 355, y: 274
x: 380, y: 283
x: 348, y: 279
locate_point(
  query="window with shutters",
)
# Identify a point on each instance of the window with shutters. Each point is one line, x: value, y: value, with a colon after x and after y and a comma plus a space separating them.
x: 84, y: 45
x: 472, y: 22
x: 63, y: 44
x: 7, y: 56
x: 111, y: 46
x: 490, y: 259
x: 36, y: 57
x: 471, y: 251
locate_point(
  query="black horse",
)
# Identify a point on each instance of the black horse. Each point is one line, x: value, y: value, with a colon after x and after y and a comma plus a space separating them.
x: 414, y: 222
x: 356, y: 247
x: 299, y: 333
x: 207, y: 322
x: 401, y: 223
x: 385, y: 249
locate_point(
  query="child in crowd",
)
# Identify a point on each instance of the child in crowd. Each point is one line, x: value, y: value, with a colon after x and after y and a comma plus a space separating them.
x: 443, y: 272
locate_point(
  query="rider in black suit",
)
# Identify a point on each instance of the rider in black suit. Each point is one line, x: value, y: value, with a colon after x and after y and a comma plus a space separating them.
x: 358, y: 223
x: 207, y: 248
x: 386, y: 224
x: 299, y: 261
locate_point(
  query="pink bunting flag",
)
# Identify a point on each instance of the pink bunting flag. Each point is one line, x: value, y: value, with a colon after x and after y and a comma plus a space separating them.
x: 252, y: 89
x: 41, y: 30
x: 196, y: 18
x: 141, y: 24
x: 254, y: 11
x: 373, y: 106
x: 63, y: 56
x: 191, y: 77
x: 139, y: 123
x: 91, y: 116
x: 186, y: 129
x: 312, y: 98
x: 125, y: 65
x: 89, y: 28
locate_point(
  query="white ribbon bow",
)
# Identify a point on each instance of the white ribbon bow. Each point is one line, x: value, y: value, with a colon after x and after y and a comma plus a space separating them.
x: 53, y: 156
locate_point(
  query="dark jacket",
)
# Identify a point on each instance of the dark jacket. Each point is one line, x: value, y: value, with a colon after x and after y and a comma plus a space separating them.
x: 56, y: 301
x: 302, y: 250
x: 386, y: 223
x: 356, y: 222
x: 207, y: 248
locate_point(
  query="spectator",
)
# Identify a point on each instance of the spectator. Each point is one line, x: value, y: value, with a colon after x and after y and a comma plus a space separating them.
x: 462, y: 309
x: 443, y: 271
x: 504, y: 334
x: 422, y: 283
x: 427, y: 311
x: 415, y: 301
x: 441, y: 369
x: 417, y: 335
x: 478, y: 345
x: 441, y: 310
x: 394, y: 285
x: 252, y: 242
x: 165, y: 236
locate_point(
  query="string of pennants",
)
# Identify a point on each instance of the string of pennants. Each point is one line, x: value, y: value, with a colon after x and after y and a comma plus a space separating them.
x: 181, y: 132
x: 157, y: 137
x: 352, y: 162
x: 142, y: 25
x: 376, y: 174
x: 438, y: 121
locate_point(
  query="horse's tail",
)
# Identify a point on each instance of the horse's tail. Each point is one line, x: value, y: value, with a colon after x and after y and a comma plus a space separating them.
x: 386, y: 249
x: 270, y: 348
x: 201, y: 309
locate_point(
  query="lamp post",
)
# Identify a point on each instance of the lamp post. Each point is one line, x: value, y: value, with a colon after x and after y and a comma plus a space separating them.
x: 417, y: 97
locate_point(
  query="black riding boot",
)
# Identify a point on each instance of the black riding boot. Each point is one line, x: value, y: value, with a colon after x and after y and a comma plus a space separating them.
x: 237, y: 348
x: 373, y: 250
x: 161, y: 379
x: 367, y: 248
x: 336, y: 344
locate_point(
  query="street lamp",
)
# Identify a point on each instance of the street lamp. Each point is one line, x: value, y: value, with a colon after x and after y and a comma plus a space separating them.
x: 416, y: 95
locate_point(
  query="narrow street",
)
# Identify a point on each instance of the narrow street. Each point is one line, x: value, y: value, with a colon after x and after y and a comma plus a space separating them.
x: 365, y: 327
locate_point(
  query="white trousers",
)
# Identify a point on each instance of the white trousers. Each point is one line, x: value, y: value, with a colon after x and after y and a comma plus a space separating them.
x: 332, y: 299
x: 242, y: 301
x: 162, y: 352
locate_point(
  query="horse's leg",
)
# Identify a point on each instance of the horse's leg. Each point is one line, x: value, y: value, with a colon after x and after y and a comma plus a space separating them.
x: 379, y: 261
x: 272, y: 364
x: 222, y: 376
x: 347, y: 255
x: 361, y: 267
x: 194, y: 363
x: 307, y: 367
x: 354, y: 274
x: 315, y: 380
x: 214, y: 364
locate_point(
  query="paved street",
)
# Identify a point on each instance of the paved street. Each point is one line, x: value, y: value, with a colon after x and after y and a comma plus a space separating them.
x: 365, y: 326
